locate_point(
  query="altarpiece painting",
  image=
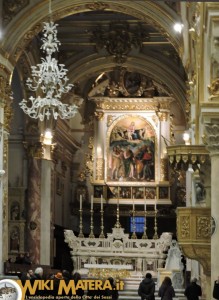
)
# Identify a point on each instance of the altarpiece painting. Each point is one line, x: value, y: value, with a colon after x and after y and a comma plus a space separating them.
x: 131, y: 155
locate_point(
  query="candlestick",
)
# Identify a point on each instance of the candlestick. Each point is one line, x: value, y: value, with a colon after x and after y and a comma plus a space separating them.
x: 80, y: 202
x: 101, y: 202
x: 81, y: 235
x: 144, y: 236
x: 92, y: 202
x: 133, y: 236
x: 155, y: 237
x: 91, y: 235
x: 117, y: 225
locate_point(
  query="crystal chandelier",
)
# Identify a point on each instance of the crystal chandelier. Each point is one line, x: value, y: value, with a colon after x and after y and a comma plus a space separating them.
x: 49, y: 82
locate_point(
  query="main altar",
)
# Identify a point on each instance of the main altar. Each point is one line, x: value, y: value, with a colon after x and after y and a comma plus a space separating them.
x: 121, y: 256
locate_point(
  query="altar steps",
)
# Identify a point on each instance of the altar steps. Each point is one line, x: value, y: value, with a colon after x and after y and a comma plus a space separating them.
x: 130, y: 291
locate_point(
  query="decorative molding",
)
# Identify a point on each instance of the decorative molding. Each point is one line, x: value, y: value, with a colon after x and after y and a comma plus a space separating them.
x: 12, y: 8
x: 194, y: 234
x: 212, y: 137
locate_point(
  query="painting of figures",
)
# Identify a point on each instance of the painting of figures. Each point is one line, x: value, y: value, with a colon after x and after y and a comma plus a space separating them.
x: 131, y: 155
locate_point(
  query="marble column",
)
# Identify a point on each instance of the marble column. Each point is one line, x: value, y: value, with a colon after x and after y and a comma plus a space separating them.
x: 39, y: 212
x: 46, y: 222
x: 5, y: 118
x: 212, y: 138
x: 33, y: 209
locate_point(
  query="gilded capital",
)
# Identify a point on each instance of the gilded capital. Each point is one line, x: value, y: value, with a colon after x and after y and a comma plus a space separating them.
x: 212, y: 137
x: 34, y: 150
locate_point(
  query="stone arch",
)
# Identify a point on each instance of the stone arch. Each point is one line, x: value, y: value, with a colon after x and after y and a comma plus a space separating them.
x: 19, y: 34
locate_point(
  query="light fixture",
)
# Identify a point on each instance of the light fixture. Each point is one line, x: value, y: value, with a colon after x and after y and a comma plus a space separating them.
x: 49, y: 82
x: 186, y: 137
x: 178, y: 27
x: 47, y: 137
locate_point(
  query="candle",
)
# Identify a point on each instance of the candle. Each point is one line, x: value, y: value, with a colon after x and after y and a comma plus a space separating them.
x: 155, y: 203
x: 101, y: 202
x: 92, y: 202
x: 145, y: 204
x: 133, y: 205
x: 80, y: 202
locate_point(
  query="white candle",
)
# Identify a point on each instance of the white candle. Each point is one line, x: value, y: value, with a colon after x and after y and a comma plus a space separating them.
x: 133, y: 205
x: 101, y: 202
x: 155, y: 203
x: 80, y: 202
x: 92, y: 202
x: 145, y: 204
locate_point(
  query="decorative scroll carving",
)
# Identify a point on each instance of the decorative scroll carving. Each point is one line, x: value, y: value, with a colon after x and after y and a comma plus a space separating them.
x: 12, y: 8
x: 120, y: 40
x: 123, y: 83
x: 194, y: 234
x: 203, y: 227
x: 185, y: 227
x: 34, y: 149
x: 97, y: 6
x: 214, y: 89
x: 212, y: 137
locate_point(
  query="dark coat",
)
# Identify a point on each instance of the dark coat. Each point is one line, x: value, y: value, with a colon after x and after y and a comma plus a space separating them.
x: 166, y: 292
x: 146, y: 289
x: 193, y: 291
x: 216, y: 290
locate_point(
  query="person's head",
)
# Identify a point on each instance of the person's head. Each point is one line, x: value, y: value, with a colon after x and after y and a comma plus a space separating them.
x: 194, y: 280
x: 111, y: 280
x: 39, y: 271
x: 167, y: 281
x: 58, y: 276
x: 76, y: 276
x: 148, y: 275
x: 30, y: 272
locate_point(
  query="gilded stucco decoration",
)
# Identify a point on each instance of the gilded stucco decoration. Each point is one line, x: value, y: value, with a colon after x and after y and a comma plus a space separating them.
x: 26, y: 40
x: 194, y: 234
x: 212, y: 137
x: 97, y: 6
x: 6, y: 101
x: 12, y: 8
x: 185, y: 227
x: 214, y: 89
x: 119, y: 40
x: 34, y: 150
x: 203, y: 227
x: 123, y: 83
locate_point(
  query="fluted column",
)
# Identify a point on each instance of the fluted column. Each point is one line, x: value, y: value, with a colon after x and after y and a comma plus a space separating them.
x: 212, y: 138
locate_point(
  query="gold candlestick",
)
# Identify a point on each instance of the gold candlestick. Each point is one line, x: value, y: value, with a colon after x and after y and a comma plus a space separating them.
x: 134, y: 236
x: 144, y: 236
x: 81, y: 224
x: 91, y: 235
x: 102, y: 226
x: 155, y: 237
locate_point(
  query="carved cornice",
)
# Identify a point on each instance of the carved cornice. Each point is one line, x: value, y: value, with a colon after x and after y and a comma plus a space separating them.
x: 194, y: 234
x: 188, y: 154
x: 107, y: 103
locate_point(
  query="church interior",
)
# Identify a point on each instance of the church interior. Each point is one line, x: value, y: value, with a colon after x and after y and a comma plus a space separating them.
x: 109, y: 136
